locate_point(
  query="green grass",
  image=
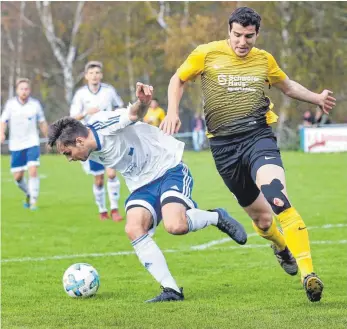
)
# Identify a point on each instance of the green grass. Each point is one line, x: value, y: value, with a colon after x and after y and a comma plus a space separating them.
x: 224, y: 287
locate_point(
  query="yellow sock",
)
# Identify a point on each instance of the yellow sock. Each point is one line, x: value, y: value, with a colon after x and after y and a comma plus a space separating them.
x: 273, y: 234
x: 296, y: 236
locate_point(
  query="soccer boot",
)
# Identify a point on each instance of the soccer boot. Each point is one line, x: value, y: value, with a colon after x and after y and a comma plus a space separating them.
x: 116, y: 216
x: 313, y: 286
x: 33, y: 206
x: 230, y: 226
x: 104, y: 216
x: 167, y: 295
x: 26, y: 203
x: 286, y: 260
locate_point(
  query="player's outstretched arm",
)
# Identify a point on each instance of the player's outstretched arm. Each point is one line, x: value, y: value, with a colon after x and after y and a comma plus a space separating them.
x: 144, y: 95
x: 295, y: 90
x: 172, y: 123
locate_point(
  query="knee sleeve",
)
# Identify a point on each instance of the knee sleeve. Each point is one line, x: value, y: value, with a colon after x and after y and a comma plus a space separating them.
x: 273, y: 194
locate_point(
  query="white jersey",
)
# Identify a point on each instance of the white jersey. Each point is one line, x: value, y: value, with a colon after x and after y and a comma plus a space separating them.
x: 22, y: 120
x: 140, y: 152
x: 105, y: 99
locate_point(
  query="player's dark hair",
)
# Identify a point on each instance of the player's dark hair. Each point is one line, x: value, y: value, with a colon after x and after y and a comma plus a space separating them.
x: 65, y: 131
x: 245, y: 16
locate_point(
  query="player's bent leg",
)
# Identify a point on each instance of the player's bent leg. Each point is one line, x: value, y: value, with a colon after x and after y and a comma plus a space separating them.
x: 139, y: 221
x: 179, y: 219
x: 22, y: 184
x: 265, y: 225
x: 113, y: 189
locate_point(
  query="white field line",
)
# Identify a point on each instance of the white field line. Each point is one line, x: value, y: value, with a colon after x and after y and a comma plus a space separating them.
x: 225, y: 240
x: 127, y: 253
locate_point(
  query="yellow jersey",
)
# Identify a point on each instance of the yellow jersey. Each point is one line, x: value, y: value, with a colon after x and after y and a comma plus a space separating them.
x: 154, y: 116
x: 233, y: 86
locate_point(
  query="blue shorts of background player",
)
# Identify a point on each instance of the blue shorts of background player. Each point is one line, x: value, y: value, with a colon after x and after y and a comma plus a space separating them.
x: 169, y: 199
x: 22, y: 159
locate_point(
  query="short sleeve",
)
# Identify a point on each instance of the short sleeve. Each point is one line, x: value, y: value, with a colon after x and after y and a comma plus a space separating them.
x: 40, y: 113
x: 5, y: 115
x: 194, y: 65
x: 275, y: 74
x: 111, y: 121
x: 76, y: 107
x: 117, y: 101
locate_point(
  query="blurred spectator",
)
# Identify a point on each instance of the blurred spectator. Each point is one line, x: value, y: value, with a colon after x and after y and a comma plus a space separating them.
x: 155, y: 114
x: 321, y: 118
x: 308, y: 119
x: 198, y: 132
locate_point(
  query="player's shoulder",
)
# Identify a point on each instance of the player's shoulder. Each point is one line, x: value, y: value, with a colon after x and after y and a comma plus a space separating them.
x: 34, y: 101
x: 261, y: 52
x: 107, y: 87
x: 11, y: 101
x: 81, y: 90
x: 219, y: 45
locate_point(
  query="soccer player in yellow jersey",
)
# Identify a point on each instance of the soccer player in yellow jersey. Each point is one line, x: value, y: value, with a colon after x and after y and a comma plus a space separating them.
x: 155, y: 114
x: 237, y: 112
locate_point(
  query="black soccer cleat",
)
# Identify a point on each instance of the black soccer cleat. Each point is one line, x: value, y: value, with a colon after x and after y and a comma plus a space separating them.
x: 230, y: 226
x: 167, y: 295
x: 286, y: 260
x: 313, y: 286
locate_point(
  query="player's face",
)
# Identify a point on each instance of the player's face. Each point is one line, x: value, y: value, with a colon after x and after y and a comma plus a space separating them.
x: 94, y: 76
x: 154, y: 104
x: 23, y: 90
x: 242, y: 39
x: 78, y: 152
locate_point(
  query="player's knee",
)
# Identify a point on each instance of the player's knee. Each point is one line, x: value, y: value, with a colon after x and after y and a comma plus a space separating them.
x: 99, y: 181
x: 175, y: 225
x: 32, y: 171
x: 274, y: 195
x: 18, y: 176
x: 263, y: 220
x: 134, y: 230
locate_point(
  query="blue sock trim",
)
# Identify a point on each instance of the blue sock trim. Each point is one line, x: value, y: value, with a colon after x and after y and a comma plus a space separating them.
x: 138, y: 240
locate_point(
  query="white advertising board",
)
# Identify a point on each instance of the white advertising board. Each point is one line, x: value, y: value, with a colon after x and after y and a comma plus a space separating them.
x: 329, y: 138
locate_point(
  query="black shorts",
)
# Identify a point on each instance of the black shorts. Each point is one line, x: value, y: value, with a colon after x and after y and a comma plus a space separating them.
x: 239, y: 157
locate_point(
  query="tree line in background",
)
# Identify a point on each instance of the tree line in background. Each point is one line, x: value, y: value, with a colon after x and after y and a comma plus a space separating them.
x: 50, y: 42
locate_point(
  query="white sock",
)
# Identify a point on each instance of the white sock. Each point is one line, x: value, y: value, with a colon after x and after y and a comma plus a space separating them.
x: 99, y: 195
x: 22, y: 184
x: 34, y: 189
x: 198, y: 219
x: 154, y: 261
x: 113, y: 189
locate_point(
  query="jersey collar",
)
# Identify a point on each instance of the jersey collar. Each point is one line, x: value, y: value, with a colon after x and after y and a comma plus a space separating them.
x: 97, y: 138
x: 92, y: 91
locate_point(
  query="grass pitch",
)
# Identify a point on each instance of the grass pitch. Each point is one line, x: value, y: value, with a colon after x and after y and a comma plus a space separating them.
x: 226, y: 286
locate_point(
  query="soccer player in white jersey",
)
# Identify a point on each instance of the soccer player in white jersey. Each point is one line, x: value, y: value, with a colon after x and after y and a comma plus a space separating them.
x: 88, y: 100
x: 22, y: 114
x: 160, y: 184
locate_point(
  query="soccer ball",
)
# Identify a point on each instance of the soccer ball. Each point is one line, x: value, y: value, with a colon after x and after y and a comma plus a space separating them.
x: 81, y: 280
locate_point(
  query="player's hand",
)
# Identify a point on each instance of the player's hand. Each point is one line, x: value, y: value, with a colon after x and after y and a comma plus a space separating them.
x: 92, y: 111
x: 144, y: 93
x: 171, y: 124
x: 3, y: 138
x: 327, y: 102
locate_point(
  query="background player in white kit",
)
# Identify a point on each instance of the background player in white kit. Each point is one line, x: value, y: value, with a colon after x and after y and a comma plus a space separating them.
x: 22, y: 114
x: 160, y: 184
x: 88, y: 100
